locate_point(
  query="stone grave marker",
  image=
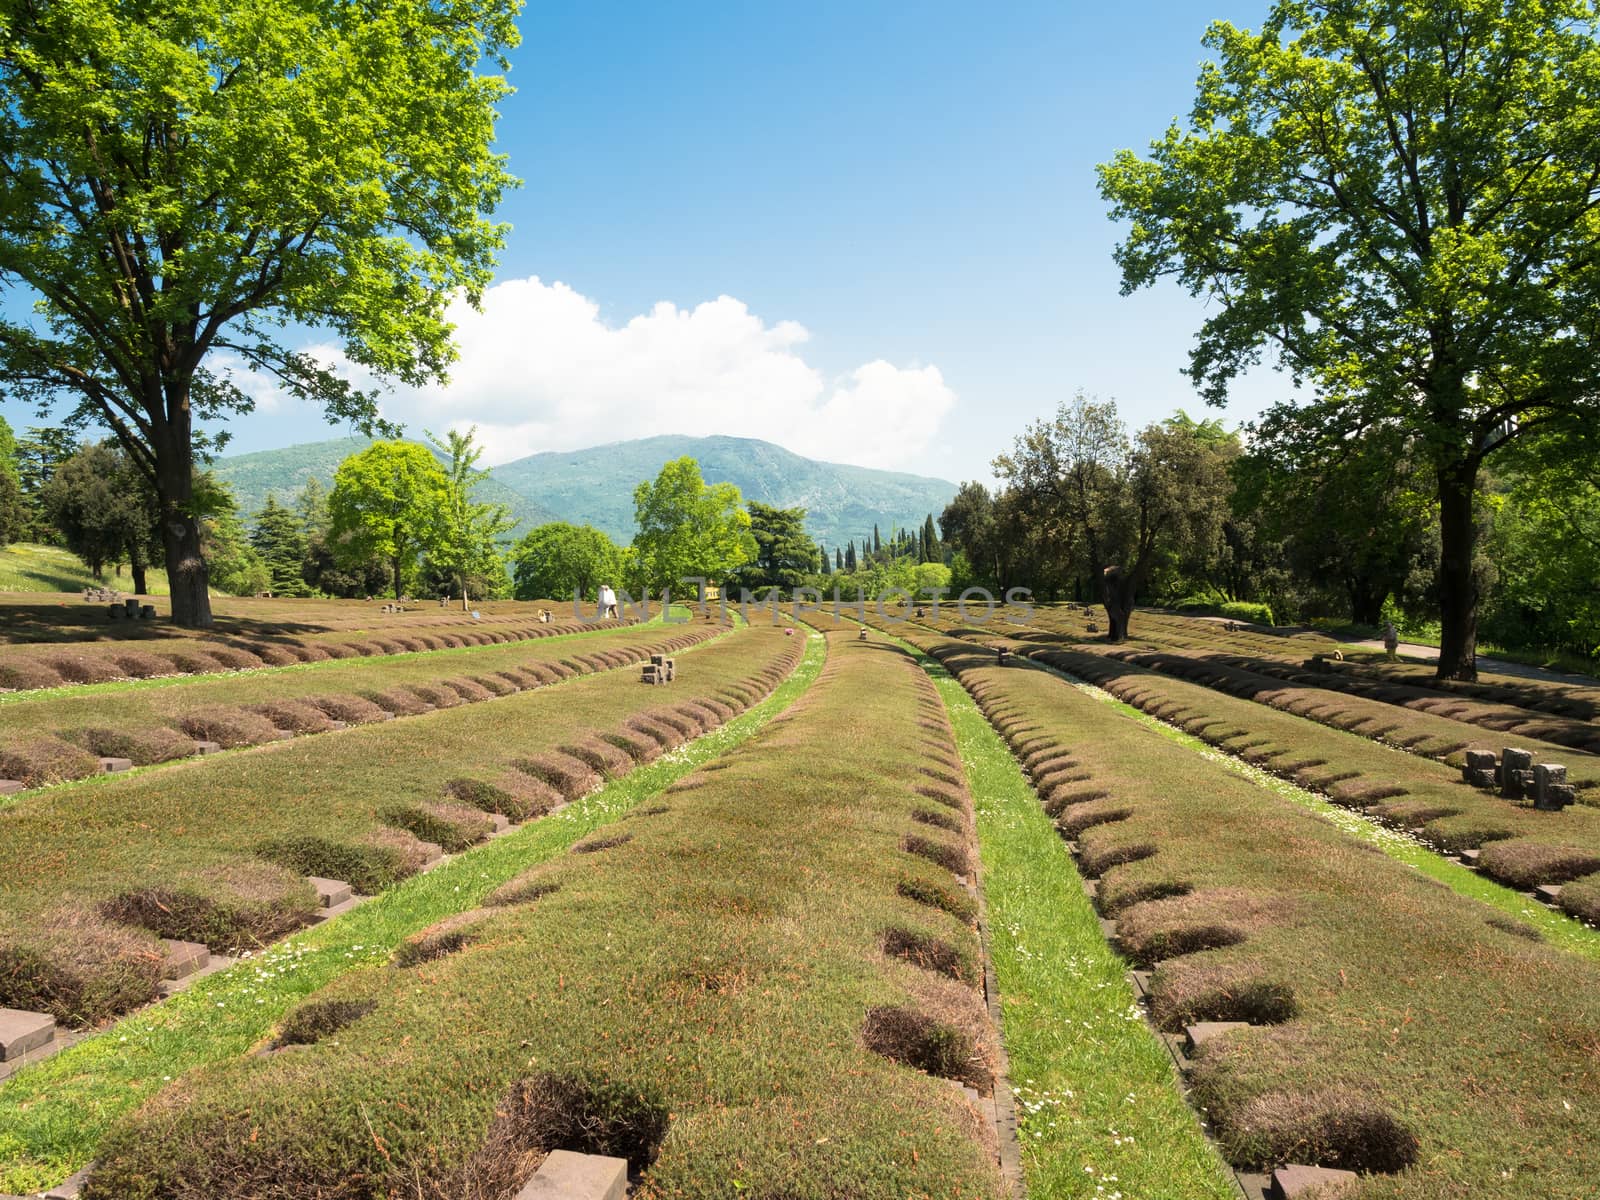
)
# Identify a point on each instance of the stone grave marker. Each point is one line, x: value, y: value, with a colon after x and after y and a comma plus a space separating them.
x: 566, y: 1175
x: 1546, y: 778
x: 22, y: 1031
x: 1294, y: 1181
x: 1512, y: 764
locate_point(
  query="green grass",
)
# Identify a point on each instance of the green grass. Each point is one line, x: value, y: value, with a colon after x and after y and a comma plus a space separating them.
x: 1408, y: 1022
x: 52, y: 1116
x: 718, y: 971
x: 1556, y: 927
x: 1097, y: 1106
x: 25, y: 567
x: 192, y: 837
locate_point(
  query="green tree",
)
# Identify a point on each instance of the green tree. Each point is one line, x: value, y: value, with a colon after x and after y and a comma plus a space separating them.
x: 467, y: 549
x: 37, y: 457
x: 688, y: 528
x: 1401, y: 203
x: 235, y: 567
x: 785, y: 554
x: 1113, y: 508
x: 279, y: 540
x: 13, y: 509
x: 822, y: 557
x: 182, y: 182
x: 850, y: 557
x: 386, y: 503
x: 559, y: 560
x: 103, y: 510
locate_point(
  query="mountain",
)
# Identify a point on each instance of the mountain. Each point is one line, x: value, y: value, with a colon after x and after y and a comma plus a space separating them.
x: 595, y: 486
x: 284, y: 472
x: 841, y: 502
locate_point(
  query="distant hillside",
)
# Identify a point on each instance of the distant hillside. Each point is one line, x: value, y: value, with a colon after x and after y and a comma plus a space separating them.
x: 284, y: 472
x: 841, y: 502
x: 595, y: 486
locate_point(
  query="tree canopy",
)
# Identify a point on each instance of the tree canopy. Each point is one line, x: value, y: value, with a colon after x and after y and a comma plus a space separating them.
x: 1398, y: 203
x: 558, y: 561
x: 103, y: 510
x: 688, y: 528
x: 387, y: 502
x: 785, y: 554
x: 179, y: 183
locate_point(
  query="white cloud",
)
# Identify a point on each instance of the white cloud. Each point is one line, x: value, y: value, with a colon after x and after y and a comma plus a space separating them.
x: 541, y: 370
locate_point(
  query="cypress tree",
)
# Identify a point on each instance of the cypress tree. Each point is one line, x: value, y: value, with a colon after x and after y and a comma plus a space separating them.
x: 850, y: 556
x: 838, y: 559
x: 827, y: 565
x: 877, y: 547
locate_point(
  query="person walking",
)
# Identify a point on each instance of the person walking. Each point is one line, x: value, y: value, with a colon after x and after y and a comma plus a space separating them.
x: 608, y: 601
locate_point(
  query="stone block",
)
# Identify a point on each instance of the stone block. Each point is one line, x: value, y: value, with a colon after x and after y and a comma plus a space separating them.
x: 184, y: 958
x: 1545, y: 777
x: 22, y: 1031
x: 1470, y: 857
x: 1561, y: 795
x: 69, y: 1189
x: 1478, y: 777
x: 501, y: 822
x: 116, y: 612
x: 1512, y: 763
x: 208, y: 747
x: 1548, y: 892
x: 147, y: 612
x: 10, y: 787
x: 1199, y: 1034
x: 566, y: 1175
x: 1294, y: 1181
x: 658, y: 660
x: 330, y: 892
x: 112, y: 765
x: 1480, y: 760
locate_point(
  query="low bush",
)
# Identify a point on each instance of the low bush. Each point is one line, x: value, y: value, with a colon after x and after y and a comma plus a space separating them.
x: 352, y: 710
x: 295, y: 716
x: 928, y: 952
x: 367, y: 868
x: 1343, y: 1128
x: 935, y: 895
x: 141, y: 747
x: 228, y: 727
x: 908, y: 1036
x: 1527, y: 864
x: 44, y: 761
x: 241, y: 906
x: 78, y: 968
x: 311, y: 1023
x: 453, y: 826
x: 952, y: 858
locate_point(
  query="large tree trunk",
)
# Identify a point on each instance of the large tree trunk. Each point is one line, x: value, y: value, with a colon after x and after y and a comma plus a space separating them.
x: 1458, y: 583
x: 397, y: 577
x: 187, y: 574
x: 1117, y: 594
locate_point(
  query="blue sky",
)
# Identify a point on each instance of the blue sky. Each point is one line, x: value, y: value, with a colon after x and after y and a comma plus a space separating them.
x: 904, y: 185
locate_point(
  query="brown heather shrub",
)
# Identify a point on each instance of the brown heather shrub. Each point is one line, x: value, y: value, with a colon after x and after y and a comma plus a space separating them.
x: 950, y: 797
x: 1058, y: 800
x: 945, y: 777
x: 294, y: 715
x: 673, y: 720
x: 413, y: 853
x: 1113, y: 896
x: 939, y: 820
x: 141, y: 747
x: 232, y: 657
x: 469, y: 690
x: 524, y: 889
x: 271, y: 654
x: 444, y: 937
x: 238, y: 906
x: 351, y: 709
x: 136, y: 664
x: 76, y: 667
x: 952, y: 858
x: 229, y: 727
x: 368, y: 868
x: 637, y: 746
x: 318, y: 1019
x: 399, y: 701
x: 491, y: 797
x: 1085, y: 816
x: 1522, y: 863
x: 1465, y: 832
x: 568, y: 776
x: 935, y: 895
x: 78, y: 968
x: 25, y: 675
x: 663, y: 736
x: 434, y: 694
x: 1161, y: 929
x: 1340, y: 1127
x: 190, y: 662
x: 453, y: 826
x: 608, y: 842
x: 1516, y: 928
x: 601, y: 756
x: 545, y: 1112
x: 914, y: 1039
x: 309, y: 652
x: 1184, y: 992
x: 928, y: 952
x: 1098, y: 857
x: 46, y: 760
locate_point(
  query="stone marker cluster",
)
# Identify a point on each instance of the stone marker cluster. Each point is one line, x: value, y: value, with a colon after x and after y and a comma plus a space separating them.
x: 1516, y: 777
x: 660, y: 669
x: 130, y: 608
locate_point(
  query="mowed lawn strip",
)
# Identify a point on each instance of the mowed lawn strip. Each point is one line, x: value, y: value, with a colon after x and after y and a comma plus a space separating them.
x: 57, y: 735
x: 1097, y: 1103
x: 1518, y: 845
x: 695, y: 998
x: 216, y: 851
x: 1399, y: 1029
x: 1555, y: 926
x: 53, y: 1115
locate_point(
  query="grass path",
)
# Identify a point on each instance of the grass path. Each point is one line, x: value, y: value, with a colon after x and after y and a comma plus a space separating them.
x: 1557, y: 927
x: 1100, y: 1115
x: 52, y: 1116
